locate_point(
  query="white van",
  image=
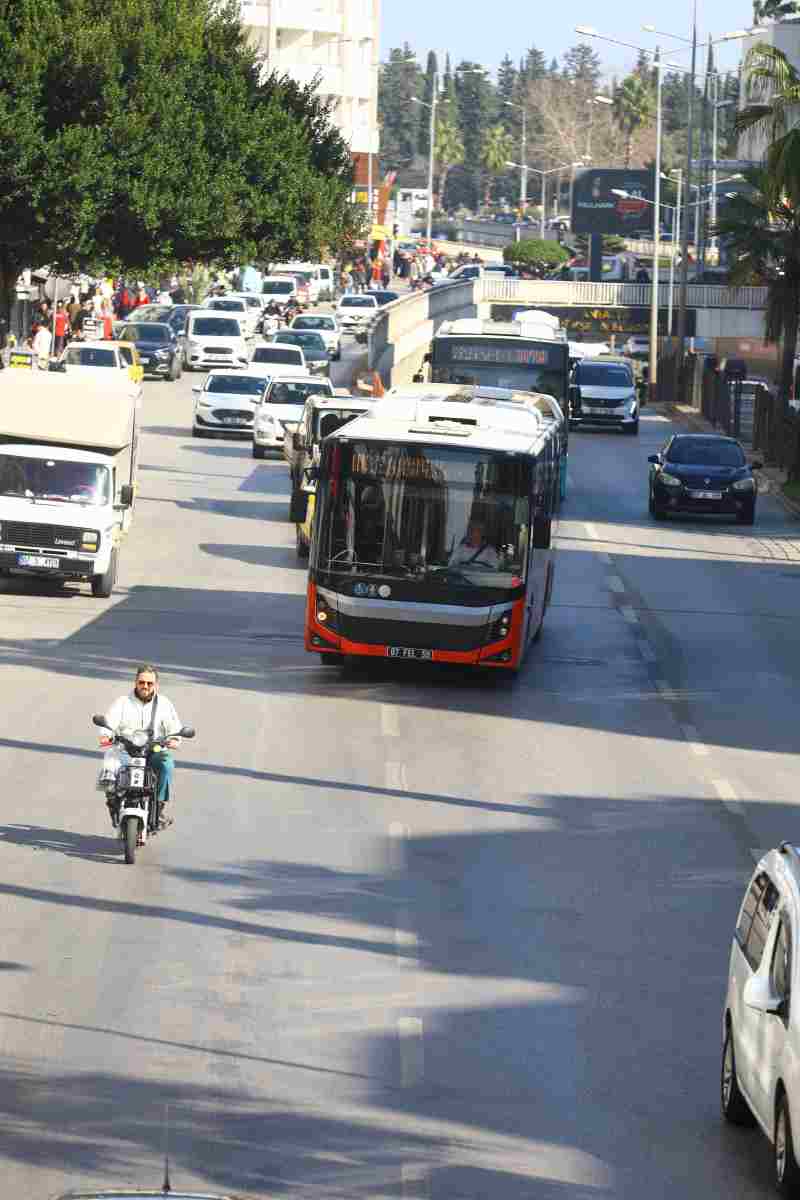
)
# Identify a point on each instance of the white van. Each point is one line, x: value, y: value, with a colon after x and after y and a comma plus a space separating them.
x: 318, y: 278
x: 280, y: 288
x: 214, y: 339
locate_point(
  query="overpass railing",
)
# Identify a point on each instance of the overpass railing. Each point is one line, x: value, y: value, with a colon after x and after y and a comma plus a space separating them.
x: 615, y: 295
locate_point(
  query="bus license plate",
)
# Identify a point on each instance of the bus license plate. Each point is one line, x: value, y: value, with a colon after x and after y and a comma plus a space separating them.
x: 408, y: 652
x: 37, y: 560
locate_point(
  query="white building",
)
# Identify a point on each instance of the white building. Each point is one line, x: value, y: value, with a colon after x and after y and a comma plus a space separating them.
x: 785, y: 36
x: 335, y: 40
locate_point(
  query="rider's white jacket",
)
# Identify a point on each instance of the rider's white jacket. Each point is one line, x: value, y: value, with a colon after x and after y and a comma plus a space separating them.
x: 130, y: 713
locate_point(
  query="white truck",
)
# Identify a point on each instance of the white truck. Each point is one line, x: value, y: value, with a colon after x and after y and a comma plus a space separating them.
x: 68, y: 451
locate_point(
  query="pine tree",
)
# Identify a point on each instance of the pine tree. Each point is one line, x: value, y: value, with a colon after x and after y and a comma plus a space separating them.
x: 507, y: 78
x: 424, y: 139
x: 582, y: 65
x: 400, y: 78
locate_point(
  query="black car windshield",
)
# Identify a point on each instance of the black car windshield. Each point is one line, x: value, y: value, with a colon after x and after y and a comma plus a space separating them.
x: 215, y: 327
x: 385, y: 297
x: 328, y: 420
x: 277, y: 354
x: 146, y: 333
x: 278, y: 287
x: 597, y: 375
x: 294, y: 392
x: 310, y: 341
x: 227, y: 305
x: 358, y: 302
x: 428, y: 513
x: 705, y: 452
x: 49, y: 479
x: 238, y: 385
x: 313, y: 323
x: 150, y: 312
x: 90, y: 356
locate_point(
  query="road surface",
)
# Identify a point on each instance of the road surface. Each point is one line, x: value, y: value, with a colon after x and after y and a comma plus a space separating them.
x: 413, y: 933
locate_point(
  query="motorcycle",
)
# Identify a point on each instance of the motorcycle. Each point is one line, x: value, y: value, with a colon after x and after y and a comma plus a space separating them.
x: 138, y: 813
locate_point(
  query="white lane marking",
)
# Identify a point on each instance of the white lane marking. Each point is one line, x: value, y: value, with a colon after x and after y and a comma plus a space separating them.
x: 629, y: 614
x: 615, y: 583
x: 390, y: 721
x: 396, y: 776
x: 409, y: 1030
x: 693, y: 738
x: 406, y: 942
x: 727, y: 795
x: 591, y: 530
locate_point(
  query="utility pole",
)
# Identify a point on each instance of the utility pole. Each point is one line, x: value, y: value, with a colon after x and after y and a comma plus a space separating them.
x: 683, y: 294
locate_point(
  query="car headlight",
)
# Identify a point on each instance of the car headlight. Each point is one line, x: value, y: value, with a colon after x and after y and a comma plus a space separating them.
x: 669, y: 480
x: 744, y: 485
x: 205, y: 404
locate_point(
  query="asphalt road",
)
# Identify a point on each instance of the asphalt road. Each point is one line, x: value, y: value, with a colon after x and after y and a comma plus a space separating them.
x: 414, y: 933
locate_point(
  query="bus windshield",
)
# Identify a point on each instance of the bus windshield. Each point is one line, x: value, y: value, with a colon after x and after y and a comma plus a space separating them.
x: 425, y: 513
x: 519, y: 363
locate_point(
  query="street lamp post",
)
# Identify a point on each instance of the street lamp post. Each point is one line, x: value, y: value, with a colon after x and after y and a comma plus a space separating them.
x: 544, y: 174
x: 676, y: 224
x: 523, y: 175
x: 718, y: 104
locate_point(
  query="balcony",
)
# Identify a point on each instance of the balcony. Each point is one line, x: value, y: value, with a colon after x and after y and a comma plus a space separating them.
x: 329, y: 78
x: 255, y: 13
x: 314, y: 15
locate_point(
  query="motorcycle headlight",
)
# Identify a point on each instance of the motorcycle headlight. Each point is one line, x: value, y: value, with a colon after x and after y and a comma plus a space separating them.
x: 669, y: 480
x: 139, y: 738
x: 744, y: 485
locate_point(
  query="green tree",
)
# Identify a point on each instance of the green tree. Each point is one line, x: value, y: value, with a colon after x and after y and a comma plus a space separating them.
x: 582, y: 65
x: 633, y: 108
x: 761, y: 228
x: 475, y: 112
x: 536, y: 252
x: 774, y: 10
x: 498, y: 148
x: 399, y: 80
x: 101, y: 163
x: 449, y: 149
x: 424, y: 138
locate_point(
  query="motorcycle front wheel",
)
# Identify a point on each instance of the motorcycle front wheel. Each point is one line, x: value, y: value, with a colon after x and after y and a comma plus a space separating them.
x: 130, y: 838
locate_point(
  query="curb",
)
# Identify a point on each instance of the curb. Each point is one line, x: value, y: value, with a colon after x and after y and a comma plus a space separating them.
x: 766, y: 486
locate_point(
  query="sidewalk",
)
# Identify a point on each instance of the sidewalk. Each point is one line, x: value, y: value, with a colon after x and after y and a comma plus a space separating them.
x: 770, y: 479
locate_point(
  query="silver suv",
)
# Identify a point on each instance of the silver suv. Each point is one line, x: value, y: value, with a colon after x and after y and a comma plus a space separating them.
x: 760, y: 1035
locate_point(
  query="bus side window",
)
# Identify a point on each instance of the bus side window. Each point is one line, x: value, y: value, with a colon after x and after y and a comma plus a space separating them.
x: 541, y: 515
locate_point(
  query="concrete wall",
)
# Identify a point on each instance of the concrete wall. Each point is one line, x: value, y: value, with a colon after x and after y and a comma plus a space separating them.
x: 401, y: 335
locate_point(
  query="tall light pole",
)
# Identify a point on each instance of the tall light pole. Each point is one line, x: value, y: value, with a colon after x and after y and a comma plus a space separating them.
x: 523, y: 175
x: 544, y: 174
x: 718, y: 104
x: 592, y: 102
x: 676, y: 224
x: 432, y: 137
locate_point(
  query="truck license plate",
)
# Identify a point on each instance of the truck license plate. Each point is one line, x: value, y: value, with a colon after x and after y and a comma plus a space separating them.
x: 409, y: 652
x: 37, y: 560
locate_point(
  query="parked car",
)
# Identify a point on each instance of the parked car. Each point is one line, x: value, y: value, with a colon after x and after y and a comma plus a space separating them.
x: 160, y: 352
x: 760, y: 1077
x: 702, y: 473
x: 323, y: 324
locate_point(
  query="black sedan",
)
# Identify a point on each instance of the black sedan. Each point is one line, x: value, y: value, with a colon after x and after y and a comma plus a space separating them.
x: 159, y: 348
x: 702, y: 473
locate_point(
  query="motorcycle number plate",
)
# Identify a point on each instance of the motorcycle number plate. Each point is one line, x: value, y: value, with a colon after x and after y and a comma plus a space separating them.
x: 137, y: 777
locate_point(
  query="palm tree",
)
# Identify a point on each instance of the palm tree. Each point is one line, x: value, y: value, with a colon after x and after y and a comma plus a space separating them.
x: 633, y: 108
x: 449, y: 149
x: 762, y: 231
x: 775, y: 86
x: 498, y: 148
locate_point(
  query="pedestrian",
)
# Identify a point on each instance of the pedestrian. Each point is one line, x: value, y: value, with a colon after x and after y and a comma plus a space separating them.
x: 61, y: 324
x: 42, y: 342
x: 386, y: 275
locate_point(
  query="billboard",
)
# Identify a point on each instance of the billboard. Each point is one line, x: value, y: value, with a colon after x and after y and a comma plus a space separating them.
x: 596, y: 207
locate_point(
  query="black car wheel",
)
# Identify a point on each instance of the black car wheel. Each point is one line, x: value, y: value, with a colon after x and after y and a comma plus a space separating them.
x: 735, y: 1108
x: 747, y: 516
x: 787, y: 1172
x: 632, y: 430
x: 658, y: 512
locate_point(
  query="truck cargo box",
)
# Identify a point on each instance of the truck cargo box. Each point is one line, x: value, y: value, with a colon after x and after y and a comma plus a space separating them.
x: 50, y: 408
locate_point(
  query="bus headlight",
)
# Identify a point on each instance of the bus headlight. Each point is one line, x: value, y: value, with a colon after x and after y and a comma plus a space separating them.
x: 500, y: 628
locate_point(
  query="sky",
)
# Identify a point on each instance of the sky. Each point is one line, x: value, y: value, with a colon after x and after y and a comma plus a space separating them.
x: 481, y: 32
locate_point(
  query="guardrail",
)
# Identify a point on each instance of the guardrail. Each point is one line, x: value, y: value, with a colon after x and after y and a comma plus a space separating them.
x: 615, y: 295
x: 401, y: 333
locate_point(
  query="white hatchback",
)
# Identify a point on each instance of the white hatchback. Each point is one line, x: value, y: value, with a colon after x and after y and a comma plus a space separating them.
x: 283, y: 402
x: 323, y: 324
x: 760, y: 1078
x: 225, y: 403
x: 355, y: 310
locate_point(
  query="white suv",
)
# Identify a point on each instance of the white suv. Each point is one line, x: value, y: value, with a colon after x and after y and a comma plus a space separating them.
x: 761, y: 1022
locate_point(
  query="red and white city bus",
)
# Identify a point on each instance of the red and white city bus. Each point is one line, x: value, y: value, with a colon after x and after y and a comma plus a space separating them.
x: 433, y: 530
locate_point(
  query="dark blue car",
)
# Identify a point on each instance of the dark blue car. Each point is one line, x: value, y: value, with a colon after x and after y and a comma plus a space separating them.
x: 702, y: 473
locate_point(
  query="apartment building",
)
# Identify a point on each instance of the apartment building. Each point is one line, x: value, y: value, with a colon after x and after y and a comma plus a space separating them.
x: 785, y: 36
x: 337, y: 41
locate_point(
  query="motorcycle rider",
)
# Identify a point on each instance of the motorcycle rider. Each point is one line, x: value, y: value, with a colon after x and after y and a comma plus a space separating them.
x: 142, y: 708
